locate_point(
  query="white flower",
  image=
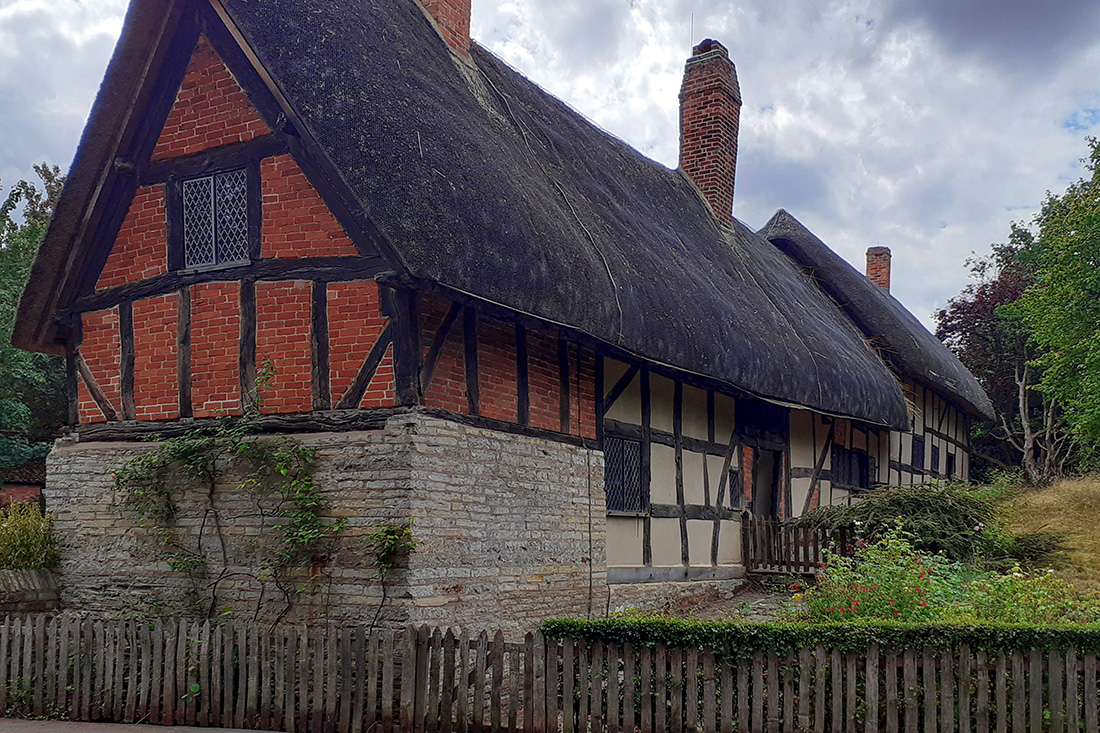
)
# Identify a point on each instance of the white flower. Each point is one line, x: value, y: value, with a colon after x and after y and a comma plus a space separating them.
x: 1017, y: 575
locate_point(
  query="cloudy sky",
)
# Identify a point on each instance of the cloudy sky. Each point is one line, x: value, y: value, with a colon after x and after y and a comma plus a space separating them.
x: 923, y: 125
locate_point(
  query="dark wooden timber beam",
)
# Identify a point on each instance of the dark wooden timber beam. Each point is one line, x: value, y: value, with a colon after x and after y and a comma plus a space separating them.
x: 438, y: 342
x: 319, y: 373
x: 223, y: 157
x: 247, y: 354
x: 318, y: 269
x: 316, y: 422
x: 104, y: 404
x: 126, y: 360
x: 358, y: 388
x: 402, y: 305
x: 183, y: 352
x: 469, y: 333
x: 523, y: 382
x: 620, y: 387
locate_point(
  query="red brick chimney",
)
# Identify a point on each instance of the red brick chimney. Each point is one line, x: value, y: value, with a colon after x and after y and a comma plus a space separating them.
x: 452, y: 20
x: 878, y: 266
x: 710, y: 110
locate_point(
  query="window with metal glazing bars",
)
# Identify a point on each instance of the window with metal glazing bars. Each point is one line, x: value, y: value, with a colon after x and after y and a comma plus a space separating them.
x: 622, y: 476
x: 850, y: 469
x: 935, y: 460
x: 215, y: 219
x: 917, y: 461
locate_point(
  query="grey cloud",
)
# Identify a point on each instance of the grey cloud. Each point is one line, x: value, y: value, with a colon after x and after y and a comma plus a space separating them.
x: 1026, y: 36
x: 47, y: 83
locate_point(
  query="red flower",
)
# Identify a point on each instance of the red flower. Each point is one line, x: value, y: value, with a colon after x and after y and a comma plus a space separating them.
x: 923, y: 603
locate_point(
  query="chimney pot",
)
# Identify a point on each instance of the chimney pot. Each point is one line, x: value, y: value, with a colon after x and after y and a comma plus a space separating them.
x: 710, y: 112
x: 878, y: 266
x: 452, y: 20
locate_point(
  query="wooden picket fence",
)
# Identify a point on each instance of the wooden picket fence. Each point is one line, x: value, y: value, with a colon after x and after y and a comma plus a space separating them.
x: 768, y: 546
x: 424, y: 680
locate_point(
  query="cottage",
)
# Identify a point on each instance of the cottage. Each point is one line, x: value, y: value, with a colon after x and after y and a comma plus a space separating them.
x: 568, y: 363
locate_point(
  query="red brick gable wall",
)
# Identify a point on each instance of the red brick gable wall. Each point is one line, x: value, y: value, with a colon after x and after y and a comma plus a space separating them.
x: 156, y: 369
x: 215, y: 344
x: 102, y: 351
x: 140, y: 250
x: 296, y: 222
x: 283, y: 341
x: 210, y: 110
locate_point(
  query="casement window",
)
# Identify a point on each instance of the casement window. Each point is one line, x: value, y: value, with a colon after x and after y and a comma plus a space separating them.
x: 850, y: 469
x: 622, y: 476
x: 917, y: 461
x: 214, y: 222
x: 950, y: 465
x: 935, y: 460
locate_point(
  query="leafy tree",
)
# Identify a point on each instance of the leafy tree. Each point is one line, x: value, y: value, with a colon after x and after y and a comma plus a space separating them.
x: 983, y: 326
x: 32, y: 386
x: 1062, y: 306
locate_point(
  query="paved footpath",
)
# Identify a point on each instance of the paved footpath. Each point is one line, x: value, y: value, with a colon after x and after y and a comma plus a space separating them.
x: 8, y: 725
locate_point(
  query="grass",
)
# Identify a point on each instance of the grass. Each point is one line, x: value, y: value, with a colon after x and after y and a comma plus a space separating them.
x: 1071, y: 506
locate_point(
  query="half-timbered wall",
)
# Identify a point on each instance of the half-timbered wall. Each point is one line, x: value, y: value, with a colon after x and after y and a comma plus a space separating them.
x: 944, y: 432
x: 296, y: 343
x: 685, y: 522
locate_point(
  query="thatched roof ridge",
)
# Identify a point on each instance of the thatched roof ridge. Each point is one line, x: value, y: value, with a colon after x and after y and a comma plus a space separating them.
x: 905, y: 342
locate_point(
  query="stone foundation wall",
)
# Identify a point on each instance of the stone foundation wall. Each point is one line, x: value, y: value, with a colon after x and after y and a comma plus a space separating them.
x: 28, y: 591
x: 512, y: 531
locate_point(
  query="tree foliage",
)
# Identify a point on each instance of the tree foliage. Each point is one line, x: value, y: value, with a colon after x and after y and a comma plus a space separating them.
x: 983, y: 326
x: 32, y: 386
x: 1062, y: 306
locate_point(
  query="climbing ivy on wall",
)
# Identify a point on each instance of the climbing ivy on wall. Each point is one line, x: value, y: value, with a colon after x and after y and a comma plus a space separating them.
x: 273, y: 474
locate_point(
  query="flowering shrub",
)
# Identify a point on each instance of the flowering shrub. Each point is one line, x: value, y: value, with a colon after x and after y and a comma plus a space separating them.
x: 26, y: 538
x: 889, y: 579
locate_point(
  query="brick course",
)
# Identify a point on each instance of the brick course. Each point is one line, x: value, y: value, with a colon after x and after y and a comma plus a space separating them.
x: 215, y: 344
x: 544, y: 379
x: 496, y: 370
x: 283, y: 338
x: 156, y: 373
x: 355, y: 322
x: 210, y: 109
x: 296, y: 222
x: 140, y: 250
x: 102, y: 350
x: 447, y: 389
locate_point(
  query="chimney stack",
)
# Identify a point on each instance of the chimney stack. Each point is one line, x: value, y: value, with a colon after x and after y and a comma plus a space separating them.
x: 452, y: 20
x: 878, y: 266
x: 710, y: 110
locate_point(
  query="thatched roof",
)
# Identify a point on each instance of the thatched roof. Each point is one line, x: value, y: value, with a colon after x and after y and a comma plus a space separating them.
x: 904, y: 341
x: 486, y: 185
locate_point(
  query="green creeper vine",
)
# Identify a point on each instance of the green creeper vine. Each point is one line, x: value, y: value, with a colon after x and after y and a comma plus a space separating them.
x: 276, y: 473
x: 389, y: 543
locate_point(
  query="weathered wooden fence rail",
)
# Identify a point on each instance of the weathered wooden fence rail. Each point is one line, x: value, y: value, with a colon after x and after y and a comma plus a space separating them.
x: 442, y: 681
x: 768, y: 546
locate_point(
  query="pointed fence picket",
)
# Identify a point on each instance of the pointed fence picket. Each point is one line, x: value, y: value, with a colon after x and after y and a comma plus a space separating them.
x: 351, y: 680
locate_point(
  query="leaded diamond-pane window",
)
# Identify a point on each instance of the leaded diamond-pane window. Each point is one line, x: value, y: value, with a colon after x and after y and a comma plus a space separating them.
x: 215, y: 219
x: 623, y: 475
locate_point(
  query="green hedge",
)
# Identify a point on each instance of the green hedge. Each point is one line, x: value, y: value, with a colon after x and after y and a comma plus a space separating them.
x: 737, y: 639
